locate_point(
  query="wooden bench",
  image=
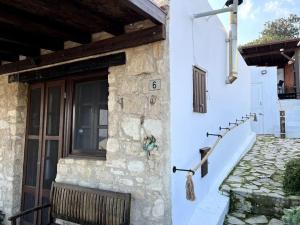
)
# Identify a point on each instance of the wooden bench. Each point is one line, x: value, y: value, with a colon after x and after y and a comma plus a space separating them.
x: 84, y: 206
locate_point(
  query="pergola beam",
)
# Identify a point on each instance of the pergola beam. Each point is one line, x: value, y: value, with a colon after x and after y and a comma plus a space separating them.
x: 254, y: 55
x: 147, y: 9
x: 15, y: 36
x: 70, y: 13
x: 34, y: 24
x: 8, y: 56
x: 19, y: 49
x: 124, y: 41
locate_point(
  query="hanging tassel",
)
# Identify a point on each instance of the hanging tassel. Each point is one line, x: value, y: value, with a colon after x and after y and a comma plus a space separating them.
x: 190, y: 194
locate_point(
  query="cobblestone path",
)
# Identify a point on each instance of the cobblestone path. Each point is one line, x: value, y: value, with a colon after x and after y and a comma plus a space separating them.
x: 255, y: 185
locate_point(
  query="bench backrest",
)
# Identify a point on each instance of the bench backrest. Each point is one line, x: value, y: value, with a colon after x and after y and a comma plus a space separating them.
x: 89, y: 206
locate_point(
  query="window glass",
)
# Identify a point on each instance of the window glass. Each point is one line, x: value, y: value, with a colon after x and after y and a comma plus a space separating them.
x: 50, y: 163
x: 34, y: 108
x: 31, y: 164
x: 90, y: 116
x: 53, y: 114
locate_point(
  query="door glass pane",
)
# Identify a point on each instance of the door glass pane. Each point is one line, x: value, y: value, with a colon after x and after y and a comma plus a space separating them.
x: 103, y: 116
x: 31, y: 163
x: 29, y: 202
x: 53, y: 113
x: 91, y: 115
x: 50, y: 164
x: 45, y: 212
x: 34, y: 112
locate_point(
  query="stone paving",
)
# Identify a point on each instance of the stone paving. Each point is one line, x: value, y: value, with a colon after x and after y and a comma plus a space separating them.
x: 255, y: 185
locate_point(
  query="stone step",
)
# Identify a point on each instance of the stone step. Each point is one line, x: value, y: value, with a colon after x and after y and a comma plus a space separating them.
x: 268, y: 204
x: 236, y: 218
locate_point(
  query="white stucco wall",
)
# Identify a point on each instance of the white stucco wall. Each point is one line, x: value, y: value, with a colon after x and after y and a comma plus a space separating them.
x: 202, y: 43
x: 271, y: 106
x: 292, y: 118
x: 269, y: 120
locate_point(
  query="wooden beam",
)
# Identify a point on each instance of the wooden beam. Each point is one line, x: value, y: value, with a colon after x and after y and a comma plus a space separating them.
x: 10, y: 35
x: 253, y: 55
x: 38, y: 25
x: 70, y: 13
x: 148, y: 9
x: 127, y: 11
x: 70, y: 69
x: 8, y: 56
x: 124, y: 41
x: 19, y: 49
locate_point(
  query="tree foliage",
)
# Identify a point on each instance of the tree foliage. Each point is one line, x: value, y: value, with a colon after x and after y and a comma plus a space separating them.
x: 279, y: 29
x: 291, y: 181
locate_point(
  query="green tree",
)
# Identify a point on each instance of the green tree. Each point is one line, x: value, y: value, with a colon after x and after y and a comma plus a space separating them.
x: 279, y: 29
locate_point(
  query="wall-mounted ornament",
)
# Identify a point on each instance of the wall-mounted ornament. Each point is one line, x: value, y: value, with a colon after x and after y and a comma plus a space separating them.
x: 153, y: 99
x: 149, y: 145
x: 120, y: 101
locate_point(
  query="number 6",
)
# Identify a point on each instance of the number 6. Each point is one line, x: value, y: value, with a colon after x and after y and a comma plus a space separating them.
x: 154, y: 84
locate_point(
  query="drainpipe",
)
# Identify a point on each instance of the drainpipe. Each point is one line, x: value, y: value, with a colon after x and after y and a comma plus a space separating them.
x: 233, y: 52
x: 297, y: 72
x: 232, y: 39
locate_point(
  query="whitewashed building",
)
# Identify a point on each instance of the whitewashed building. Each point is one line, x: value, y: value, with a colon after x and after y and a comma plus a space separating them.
x: 112, y: 95
x: 275, y: 86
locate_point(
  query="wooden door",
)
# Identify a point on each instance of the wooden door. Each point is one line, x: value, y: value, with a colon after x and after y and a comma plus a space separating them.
x: 43, y: 145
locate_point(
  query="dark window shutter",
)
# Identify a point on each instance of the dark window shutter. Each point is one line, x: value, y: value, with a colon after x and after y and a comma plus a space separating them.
x: 199, y: 90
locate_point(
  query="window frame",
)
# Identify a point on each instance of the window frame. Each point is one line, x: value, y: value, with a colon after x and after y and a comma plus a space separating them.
x: 69, y: 115
x: 199, y: 90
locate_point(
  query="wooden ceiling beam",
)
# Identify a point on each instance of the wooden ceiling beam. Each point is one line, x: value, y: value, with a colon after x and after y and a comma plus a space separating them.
x: 8, y: 56
x: 96, y: 64
x: 34, y: 24
x: 69, y: 13
x: 14, y: 36
x: 19, y: 49
x: 148, y: 9
x: 128, y: 11
x: 253, y: 55
x: 124, y: 41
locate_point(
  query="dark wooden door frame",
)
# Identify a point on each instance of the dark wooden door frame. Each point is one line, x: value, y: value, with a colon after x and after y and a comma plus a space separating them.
x: 70, y: 108
x: 39, y: 192
x: 46, y: 137
x: 65, y: 129
x: 32, y: 137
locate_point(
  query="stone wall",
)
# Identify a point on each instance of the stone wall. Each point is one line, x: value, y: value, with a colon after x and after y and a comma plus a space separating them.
x: 127, y: 168
x: 13, y: 102
x: 144, y: 112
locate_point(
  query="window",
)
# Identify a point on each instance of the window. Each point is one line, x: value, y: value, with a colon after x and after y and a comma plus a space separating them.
x: 199, y: 90
x: 88, y: 113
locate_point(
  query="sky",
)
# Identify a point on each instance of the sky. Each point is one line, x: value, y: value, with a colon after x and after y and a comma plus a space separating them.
x: 254, y: 13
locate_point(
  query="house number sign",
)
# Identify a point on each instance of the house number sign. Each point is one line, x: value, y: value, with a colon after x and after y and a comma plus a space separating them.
x: 154, y: 85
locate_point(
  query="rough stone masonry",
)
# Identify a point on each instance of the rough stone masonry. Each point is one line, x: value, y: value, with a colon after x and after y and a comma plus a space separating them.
x: 127, y: 168
x: 13, y: 102
x: 134, y: 112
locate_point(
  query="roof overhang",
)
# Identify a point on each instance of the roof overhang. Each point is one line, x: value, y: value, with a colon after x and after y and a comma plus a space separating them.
x: 33, y: 26
x: 269, y: 54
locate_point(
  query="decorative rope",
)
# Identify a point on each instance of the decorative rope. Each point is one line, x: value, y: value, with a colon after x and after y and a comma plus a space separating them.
x: 190, y: 193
